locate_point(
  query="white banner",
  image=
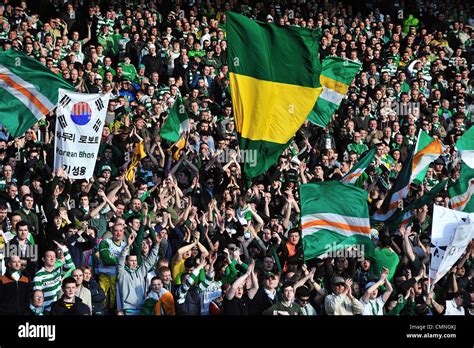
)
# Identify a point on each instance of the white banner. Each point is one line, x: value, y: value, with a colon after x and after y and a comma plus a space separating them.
x: 445, y: 223
x: 79, y: 122
x: 462, y: 236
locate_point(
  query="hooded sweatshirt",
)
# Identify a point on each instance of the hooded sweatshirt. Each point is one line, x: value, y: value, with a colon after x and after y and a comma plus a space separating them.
x: 131, y: 283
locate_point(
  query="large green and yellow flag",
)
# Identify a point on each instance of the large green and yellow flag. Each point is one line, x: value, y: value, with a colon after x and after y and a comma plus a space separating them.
x: 274, y: 81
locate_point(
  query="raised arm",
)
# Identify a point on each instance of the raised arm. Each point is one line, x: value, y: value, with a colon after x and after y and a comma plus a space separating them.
x: 152, y: 257
x: 303, y: 280
x: 375, y: 286
x: 388, y: 290
x: 124, y: 253
x: 181, y: 251
x: 254, y: 288
x: 239, y: 282
x: 407, y: 247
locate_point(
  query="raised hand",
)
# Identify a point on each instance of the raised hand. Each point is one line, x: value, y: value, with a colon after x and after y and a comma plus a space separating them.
x: 251, y: 265
x: 384, y: 273
x: 131, y: 239
x: 59, y: 245
x: 158, y: 238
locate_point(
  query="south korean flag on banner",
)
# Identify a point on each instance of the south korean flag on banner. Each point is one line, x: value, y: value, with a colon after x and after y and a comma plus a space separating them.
x: 79, y: 122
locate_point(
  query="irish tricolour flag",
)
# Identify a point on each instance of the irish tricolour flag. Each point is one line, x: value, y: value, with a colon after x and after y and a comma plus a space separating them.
x: 427, y: 150
x: 461, y: 192
x: 334, y: 216
x: 28, y: 91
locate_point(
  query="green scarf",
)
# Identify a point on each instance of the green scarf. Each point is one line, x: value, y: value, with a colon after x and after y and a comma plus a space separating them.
x: 37, y: 311
x: 16, y: 275
x: 131, y: 270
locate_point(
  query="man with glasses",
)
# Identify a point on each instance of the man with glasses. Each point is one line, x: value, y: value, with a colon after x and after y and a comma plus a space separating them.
x: 357, y: 145
x: 303, y: 300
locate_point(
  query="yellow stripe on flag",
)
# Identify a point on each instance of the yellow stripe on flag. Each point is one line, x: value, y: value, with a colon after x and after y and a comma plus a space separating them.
x: 334, y: 85
x: 270, y: 111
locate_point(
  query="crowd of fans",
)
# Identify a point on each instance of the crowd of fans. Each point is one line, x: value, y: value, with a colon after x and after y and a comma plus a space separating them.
x: 187, y: 236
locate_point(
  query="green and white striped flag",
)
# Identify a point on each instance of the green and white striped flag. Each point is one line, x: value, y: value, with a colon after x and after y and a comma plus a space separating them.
x: 359, y: 168
x: 336, y: 76
x: 461, y: 193
x: 28, y: 91
x: 465, y: 146
x: 334, y: 216
x: 176, y: 123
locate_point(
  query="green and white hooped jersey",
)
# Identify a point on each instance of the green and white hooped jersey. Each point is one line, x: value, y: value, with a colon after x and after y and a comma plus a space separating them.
x: 50, y: 282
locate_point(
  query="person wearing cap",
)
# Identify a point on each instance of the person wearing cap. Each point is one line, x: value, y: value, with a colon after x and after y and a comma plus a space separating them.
x: 105, y: 173
x: 267, y: 295
x: 437, y: 127
x: 209, y: 58
x: 109, y: 156
x: 97, y: 86
x: 341, y: 301
x: 373, y: 304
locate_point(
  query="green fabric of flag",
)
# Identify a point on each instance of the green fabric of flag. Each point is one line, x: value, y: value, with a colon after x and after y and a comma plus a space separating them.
x: 327, y: 225
x: 176, y: 123
x: 28, y: 91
